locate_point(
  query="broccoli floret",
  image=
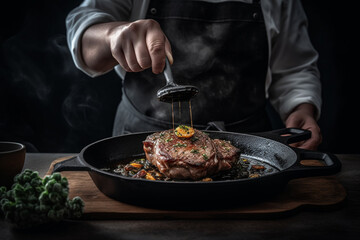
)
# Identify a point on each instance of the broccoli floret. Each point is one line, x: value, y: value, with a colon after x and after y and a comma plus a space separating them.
x: 32, y: 200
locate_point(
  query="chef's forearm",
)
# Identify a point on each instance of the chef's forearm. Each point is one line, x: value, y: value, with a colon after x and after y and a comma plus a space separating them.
x: 95, y: 47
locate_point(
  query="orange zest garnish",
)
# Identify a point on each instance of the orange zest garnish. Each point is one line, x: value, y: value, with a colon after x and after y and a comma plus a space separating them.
x: 184, y: 131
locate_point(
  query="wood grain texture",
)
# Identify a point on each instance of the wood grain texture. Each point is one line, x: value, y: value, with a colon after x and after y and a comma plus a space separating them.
x: 315, y: 193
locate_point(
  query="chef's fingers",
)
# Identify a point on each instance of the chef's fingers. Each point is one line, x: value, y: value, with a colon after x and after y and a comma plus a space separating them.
x: 120, y: 58
x: 130, y: 56
x: 312, y: 143
x: 155, y: 42
x: 123, y: 51
x: 142, y: 54
x: 308, y: 124
x: 140, y: 48
x: 128, y: 45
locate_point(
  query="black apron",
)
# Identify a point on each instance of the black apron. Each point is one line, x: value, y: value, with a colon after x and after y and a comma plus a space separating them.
x: 222, y: 49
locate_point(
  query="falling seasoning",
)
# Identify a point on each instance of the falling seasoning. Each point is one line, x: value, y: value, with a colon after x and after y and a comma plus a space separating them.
x: 190, y: 111
x: 180, y: 115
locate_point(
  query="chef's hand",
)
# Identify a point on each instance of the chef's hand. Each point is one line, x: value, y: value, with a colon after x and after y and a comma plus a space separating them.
x: 136, y: 46
x: 303, y: 117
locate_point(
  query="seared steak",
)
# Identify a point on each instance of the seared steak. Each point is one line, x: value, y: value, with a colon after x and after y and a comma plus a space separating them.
x: 192, y: 158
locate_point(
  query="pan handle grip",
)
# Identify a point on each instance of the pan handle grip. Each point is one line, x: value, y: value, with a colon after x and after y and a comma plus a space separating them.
x: 71, y: 164
x: 298, y: 170
x: 286, y: 135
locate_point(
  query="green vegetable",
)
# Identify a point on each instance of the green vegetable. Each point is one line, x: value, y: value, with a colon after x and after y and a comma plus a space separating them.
x: 32, y: 200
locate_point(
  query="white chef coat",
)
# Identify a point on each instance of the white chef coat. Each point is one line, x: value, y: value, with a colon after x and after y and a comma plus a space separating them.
x: 292, y: 77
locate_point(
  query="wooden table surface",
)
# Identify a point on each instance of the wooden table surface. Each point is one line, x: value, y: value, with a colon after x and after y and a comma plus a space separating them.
x: 342, y: 222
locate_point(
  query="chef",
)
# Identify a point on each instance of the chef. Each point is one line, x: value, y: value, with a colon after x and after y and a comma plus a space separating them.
x: 239, y: 54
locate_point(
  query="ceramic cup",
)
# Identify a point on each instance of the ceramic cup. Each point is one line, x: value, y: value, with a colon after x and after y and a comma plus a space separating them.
x: 12, y: 157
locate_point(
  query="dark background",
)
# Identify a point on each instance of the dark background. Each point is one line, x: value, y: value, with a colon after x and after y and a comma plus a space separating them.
x: 49, y: 105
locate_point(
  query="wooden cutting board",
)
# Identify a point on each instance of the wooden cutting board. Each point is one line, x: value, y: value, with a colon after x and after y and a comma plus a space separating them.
x: 319, y: 193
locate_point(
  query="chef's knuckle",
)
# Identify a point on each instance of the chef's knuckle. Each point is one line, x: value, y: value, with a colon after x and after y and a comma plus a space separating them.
x: 133, y: 27
x: 122, y: 37
x: 116, y: 50
x: 156, y: 47
x: 129, y: 32
x: 151, y: 23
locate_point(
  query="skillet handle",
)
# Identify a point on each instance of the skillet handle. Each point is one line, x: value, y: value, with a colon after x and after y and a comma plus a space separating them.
x: 286, y: 135
x: 71, y: 164
x: 298, y: 170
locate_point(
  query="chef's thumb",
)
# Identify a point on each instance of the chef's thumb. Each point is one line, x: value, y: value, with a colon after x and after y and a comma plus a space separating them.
x: 168, y: 51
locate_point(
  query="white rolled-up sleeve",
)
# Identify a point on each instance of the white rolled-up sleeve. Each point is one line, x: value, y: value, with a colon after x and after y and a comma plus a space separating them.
x: 293, y: 76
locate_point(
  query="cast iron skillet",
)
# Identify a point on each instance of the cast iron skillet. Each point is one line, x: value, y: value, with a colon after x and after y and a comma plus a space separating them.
x: 269, y: 147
